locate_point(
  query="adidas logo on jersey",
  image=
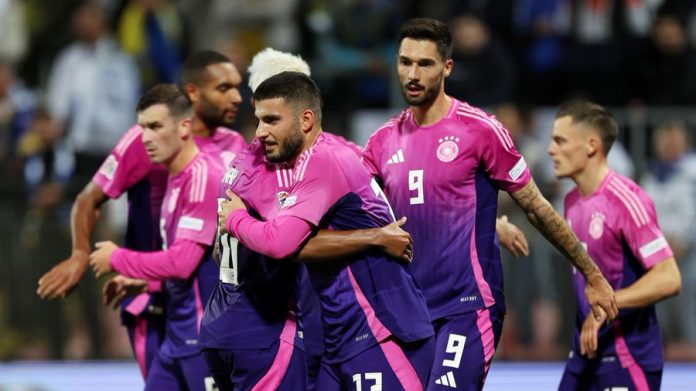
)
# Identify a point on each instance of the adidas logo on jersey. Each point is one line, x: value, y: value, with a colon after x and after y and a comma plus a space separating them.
x: 398, y: 157
x: 447, y: 380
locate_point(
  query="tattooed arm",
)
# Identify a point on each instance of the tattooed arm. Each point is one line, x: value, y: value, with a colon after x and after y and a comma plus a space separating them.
x: 542, y: 215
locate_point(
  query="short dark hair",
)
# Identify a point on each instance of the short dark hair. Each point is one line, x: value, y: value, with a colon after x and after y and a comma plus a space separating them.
x: 427, y: 29
x: 170, y: 95
x: 595, y: 116
x: 195, y: 65
x: 296, y: 88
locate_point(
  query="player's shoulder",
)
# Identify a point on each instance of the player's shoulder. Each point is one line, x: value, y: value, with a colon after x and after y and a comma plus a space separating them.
x: 474, y: 117
x: 571, y: 198
x: 230, y: 135
x: 131, y: 138
x: 393, y: 124
x: 628, y: 198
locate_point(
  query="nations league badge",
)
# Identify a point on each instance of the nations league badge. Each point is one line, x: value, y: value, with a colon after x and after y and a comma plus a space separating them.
x: 448, y: 149
x: 284, y: 200
x: 597, y: 225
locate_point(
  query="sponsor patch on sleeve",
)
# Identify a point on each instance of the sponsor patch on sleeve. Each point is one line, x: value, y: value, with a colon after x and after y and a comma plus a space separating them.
x: 108, y: 168
x: 518, y: 169
x: 652, y: 247
x: 192, y: 223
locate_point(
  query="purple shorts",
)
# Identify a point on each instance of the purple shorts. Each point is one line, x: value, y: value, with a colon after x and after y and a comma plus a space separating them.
x: 280, y: 367
x: 611, y: 377
x: 146, y: 333
x: 179, y: 373
x: 390, y: 365
x: 464, y: 350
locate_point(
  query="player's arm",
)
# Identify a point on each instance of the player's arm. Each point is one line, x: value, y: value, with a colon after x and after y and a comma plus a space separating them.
x: 660, y: 282
x: 329, y: 245
x: 179, y: 261
x: 64, y: 277
x: 541, y: 214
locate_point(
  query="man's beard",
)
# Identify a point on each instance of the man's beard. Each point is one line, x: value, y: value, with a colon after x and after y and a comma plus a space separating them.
x: 212, y: 116
x: 428, y: 97
x: 289, y: 149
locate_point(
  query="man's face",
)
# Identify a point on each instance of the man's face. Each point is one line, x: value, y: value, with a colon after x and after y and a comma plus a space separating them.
x: 161, y: 135
x: 421, y: 71
x: 279, y: 130
x: 569, y: 147
x: 219, y: 98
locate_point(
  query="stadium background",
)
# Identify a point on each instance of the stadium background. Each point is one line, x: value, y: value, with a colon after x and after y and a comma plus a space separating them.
x: 516, y: 58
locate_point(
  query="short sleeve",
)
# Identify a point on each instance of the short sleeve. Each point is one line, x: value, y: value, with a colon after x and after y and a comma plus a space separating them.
x: 503, y: 163
x: 198, y: 219
x: 319, y: 184
x: 368, y: 157
x: 126, y: 165
x: 641, y: 230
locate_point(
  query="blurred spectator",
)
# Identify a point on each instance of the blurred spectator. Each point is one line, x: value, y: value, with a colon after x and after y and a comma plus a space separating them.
x: 92, y: 91
x: 483, y: 72
x: 151, y: 32
x: 357, y: 52
x: 13, y: 34
x: 606, y: 36
x: 671, y: 182
x: 17, y: 105
x: 666, y: 73
x: 539, y: 25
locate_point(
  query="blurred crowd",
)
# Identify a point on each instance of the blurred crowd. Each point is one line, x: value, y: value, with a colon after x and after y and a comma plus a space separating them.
x: 71, y: 72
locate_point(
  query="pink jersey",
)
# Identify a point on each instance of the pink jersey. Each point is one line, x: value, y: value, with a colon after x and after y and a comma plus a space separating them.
x: 189, y: 211
x: 618, y: 226
x: 445, y: 178
x: 128, y: 169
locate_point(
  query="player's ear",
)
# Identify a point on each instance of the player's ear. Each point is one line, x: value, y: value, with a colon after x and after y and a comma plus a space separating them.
x: 307, y: 118
x: 594, y: 145
x: 185, y: 127
x: 448, y: 67
x: 192, y: 92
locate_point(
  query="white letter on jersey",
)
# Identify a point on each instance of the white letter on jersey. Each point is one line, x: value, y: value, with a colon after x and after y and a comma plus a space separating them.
x: 415, y: 182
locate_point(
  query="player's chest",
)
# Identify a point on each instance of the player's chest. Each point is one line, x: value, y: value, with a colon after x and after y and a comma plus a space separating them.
x: 264, y: 189
x: 594, y: 225
x: 444, y: 160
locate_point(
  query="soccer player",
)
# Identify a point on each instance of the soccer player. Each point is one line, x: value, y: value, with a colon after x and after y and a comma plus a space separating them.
x: 259, y: 294
x: 616, y: 220
x: 212, y: 82
x: 188, y: 225
x: 376, y: 326
x: 441, y: 163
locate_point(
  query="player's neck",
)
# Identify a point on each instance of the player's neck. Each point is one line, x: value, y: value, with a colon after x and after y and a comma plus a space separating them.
x: 182, y: 159
x: 308, y: 143
x: 430, y: 114
x: 589, y: 179
x: 199, y: 128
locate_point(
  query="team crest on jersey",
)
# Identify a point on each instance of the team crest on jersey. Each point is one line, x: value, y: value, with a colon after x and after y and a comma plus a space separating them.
x: 284, y: 199
x: 448, y: 149
x: 172, y: 199
x: 597, y: 225
x: 227, y: 157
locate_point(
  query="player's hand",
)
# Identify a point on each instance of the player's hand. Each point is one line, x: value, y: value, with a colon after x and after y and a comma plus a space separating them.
x: 120, y: 287
x: 588, y: 334
x: 226, y: 207
x: 395, y: 241
x: 100, y: 259
x: 64, y: 277
x: 511, y: 237
x: 600, y: 295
